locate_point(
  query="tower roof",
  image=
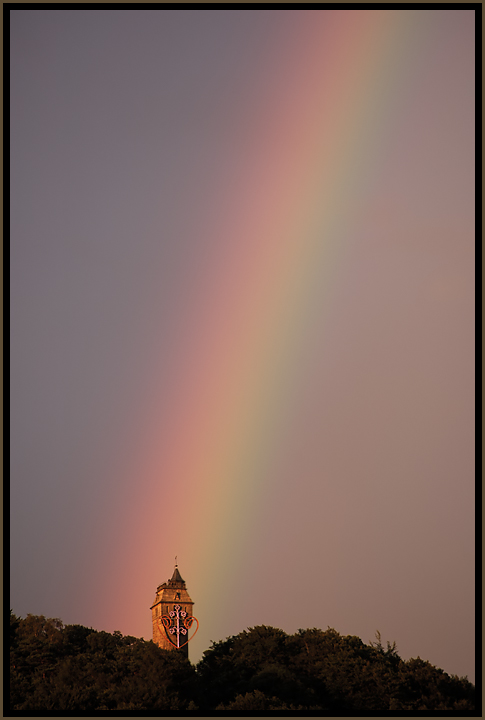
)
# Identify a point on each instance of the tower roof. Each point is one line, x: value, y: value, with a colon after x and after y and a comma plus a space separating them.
x: 176, y: 577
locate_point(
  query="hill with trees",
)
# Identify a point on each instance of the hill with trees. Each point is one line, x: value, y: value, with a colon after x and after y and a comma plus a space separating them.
x: 71, y: 669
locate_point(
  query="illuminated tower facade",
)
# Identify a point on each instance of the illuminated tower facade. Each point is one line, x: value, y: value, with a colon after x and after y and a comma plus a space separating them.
x: 172, y: 615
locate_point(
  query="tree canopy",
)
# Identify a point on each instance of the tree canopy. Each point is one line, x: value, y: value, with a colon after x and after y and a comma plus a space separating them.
x: 71, y: 668
x: 263, y: 670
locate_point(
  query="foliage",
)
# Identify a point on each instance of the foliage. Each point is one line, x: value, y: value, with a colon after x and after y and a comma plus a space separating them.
x: 72, y: 669
x: 264, y: 670
x: 76, y: 669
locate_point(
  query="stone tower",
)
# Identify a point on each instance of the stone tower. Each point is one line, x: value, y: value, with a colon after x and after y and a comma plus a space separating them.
x: 169, y: 595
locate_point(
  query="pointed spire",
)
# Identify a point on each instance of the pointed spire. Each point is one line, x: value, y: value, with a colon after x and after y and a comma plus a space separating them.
x: 176, y: 577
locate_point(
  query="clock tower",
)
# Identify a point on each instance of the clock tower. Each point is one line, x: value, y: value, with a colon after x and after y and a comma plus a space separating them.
x: 172, y: 615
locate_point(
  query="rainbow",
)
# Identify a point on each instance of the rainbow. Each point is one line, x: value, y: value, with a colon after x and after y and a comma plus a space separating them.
x: 306, y: 141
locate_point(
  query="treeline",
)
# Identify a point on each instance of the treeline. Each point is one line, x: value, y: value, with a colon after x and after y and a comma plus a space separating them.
x: 71, y: 669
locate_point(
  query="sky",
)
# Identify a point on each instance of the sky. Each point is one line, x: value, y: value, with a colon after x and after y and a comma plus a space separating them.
x: 242, y: 321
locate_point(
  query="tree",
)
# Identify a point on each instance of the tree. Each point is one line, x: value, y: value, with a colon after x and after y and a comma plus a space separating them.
x: 77, y: 670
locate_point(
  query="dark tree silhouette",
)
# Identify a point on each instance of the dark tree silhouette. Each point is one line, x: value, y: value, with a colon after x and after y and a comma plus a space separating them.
x: 71, y: 669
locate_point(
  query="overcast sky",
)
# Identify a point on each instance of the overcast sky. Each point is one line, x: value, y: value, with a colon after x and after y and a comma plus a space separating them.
x: 242, y: 321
